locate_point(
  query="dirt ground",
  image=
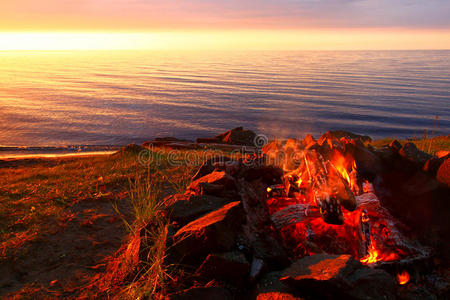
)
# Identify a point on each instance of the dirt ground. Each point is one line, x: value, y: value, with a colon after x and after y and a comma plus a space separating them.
x: 61, y: 260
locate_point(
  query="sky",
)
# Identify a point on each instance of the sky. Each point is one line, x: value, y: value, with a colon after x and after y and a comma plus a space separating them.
x: 214, y: 24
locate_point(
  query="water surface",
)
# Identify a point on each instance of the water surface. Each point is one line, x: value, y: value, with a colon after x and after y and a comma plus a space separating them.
x: 115, y: 98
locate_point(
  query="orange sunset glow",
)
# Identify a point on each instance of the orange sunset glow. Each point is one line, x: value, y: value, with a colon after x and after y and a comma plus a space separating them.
x: 194, y: 25
x: 224, y: 149
x: 339, y: 39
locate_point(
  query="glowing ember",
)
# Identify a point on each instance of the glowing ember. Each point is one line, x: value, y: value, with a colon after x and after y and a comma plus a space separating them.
x: 403, y: 277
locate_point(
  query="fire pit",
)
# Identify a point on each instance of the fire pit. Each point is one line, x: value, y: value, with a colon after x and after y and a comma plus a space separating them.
x: 292, y: 200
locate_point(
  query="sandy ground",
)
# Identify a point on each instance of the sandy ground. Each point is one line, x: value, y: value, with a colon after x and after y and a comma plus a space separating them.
x: 62, y: 262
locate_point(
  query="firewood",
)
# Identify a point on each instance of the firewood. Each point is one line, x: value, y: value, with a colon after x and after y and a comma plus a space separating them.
x: 294, y: 213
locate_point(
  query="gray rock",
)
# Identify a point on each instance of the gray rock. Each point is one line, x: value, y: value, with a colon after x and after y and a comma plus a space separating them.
x: 238, y: 136
x: 215, y: 232
x: 194, y: 206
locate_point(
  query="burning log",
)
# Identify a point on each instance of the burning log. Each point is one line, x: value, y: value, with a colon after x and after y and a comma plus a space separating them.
x: 259, y: 230
x: 329, y: 189
x: 319, y: 183
x: 363, y: 230
x: 293, y: 214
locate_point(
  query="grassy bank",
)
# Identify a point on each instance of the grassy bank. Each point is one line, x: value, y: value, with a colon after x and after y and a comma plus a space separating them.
x: 429, y: 145
x: 66, y: 203
x: 76, y: 204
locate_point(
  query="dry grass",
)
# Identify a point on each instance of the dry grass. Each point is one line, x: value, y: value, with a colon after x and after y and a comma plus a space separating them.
x: 151, y: 276
x: 34, y: 197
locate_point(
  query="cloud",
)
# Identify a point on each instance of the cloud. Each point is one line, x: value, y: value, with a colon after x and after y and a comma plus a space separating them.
x: 151, y: 14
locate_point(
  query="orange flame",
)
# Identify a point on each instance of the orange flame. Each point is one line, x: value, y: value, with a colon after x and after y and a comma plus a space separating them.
x: 341, y: 169
x: 372, y: 257
x: 403, y: 277
x: 342, y: 165
x: 376, y: 256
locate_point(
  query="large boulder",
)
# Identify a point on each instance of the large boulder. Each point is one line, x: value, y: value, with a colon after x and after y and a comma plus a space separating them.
x: 188, y: 208
x: 334, y: 276
x: 215, y: 232
x: 238, y: 136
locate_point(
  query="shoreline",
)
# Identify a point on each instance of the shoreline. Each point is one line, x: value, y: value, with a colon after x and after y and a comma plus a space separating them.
x: 9, y: 157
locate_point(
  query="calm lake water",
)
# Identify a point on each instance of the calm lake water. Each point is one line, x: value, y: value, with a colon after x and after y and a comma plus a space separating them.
x: 115, y: 98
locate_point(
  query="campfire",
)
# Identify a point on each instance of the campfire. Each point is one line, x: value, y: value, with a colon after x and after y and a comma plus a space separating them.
x: 320, y: 212
x: 321, y: 198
